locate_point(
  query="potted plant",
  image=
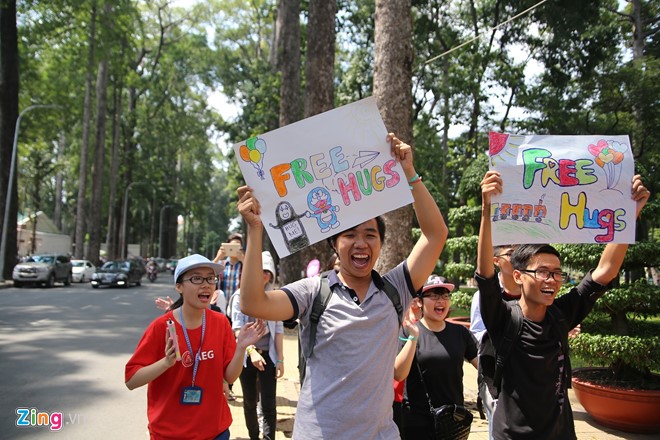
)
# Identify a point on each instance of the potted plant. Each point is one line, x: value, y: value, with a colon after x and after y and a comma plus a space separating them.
x: 620, y: 344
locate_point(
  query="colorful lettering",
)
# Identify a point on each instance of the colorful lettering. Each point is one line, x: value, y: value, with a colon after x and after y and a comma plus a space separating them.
x: 564, y: 172
x: 337, y: 158
x: 349, y: 187
x: 279, y: 175
x: 320, y: 169
x: 298, y: 168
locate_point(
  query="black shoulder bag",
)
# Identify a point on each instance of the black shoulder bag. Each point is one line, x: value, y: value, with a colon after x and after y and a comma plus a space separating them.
x: 450, y: 422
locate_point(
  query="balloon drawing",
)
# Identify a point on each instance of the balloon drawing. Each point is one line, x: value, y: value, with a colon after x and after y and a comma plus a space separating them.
x: 253, y: 152
x: 609, y: 155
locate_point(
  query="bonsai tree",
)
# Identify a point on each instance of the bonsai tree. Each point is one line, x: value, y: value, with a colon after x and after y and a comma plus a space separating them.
x: 618, y: 333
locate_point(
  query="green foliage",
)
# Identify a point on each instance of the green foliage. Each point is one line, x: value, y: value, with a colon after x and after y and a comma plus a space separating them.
x: 466, y: 215
x: 465, y: 246
x: 453, y: 271
x: 639, y: 299
x: 639, y: 354
x: 462, y: 299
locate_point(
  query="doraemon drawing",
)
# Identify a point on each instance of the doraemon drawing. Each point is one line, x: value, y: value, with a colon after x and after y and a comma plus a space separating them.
x: 319, y: 202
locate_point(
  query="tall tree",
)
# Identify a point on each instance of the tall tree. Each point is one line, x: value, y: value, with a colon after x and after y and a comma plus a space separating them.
x: 393, y: 91
x: 9, y: 81
x: 95, y: 216
x: 287, y: 61
x: 319, y: 97
x: 79, y: 238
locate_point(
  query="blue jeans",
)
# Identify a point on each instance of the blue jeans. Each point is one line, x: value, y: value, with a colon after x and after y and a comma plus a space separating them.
x: 223, y: 435
x: 264, y: 384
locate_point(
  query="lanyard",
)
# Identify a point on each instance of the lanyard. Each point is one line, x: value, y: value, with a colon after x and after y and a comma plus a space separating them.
x: 201, y: 342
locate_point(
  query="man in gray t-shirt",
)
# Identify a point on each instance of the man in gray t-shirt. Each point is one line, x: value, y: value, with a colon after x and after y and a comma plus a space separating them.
x: 348, y: 390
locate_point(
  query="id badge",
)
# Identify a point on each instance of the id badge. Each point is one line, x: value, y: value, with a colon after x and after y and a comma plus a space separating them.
x: 191, y: 396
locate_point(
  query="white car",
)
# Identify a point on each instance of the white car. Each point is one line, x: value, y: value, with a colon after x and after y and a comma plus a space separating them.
x: 82, y: 270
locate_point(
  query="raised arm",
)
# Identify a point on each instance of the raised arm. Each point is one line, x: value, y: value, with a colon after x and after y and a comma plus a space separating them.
x: 273, y: 305
x: 425, y: 253
x: 614, y: 253
x: 403, y: 360
x: 491, y: 184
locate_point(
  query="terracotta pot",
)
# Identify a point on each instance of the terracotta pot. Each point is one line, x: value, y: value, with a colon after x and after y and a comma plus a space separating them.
x: 619, y: 408
x: 461, y: 320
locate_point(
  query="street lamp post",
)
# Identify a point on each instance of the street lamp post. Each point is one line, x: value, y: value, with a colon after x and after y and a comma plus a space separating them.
x: 124, y: 238
x: 10, y: 187
x: 161, y: 239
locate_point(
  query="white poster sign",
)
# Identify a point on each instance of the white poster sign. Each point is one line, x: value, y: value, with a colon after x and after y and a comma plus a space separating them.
x: 323, y: 175
x: 562, y: 189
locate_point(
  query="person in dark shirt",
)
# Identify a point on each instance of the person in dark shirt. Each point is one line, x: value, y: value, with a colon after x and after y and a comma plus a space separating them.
x: 533, y: 400
x: 437, y: 349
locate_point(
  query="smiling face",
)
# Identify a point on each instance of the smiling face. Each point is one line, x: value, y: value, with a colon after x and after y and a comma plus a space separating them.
x: 540, y: 292
x: 197, y: 296
x: 358, y: 249
x: 435, y: 304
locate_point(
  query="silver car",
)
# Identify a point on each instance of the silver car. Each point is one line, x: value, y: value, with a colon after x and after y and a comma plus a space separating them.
x: 43, y: 269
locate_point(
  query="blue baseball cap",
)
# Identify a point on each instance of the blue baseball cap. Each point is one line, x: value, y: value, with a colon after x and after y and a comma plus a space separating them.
x: 194, y: 261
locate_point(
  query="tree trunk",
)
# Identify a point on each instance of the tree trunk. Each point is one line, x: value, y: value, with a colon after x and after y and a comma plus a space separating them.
x: 87, y: 110
x: 99, y: 163
x: 638, y: 30
x: 319, y: 97
x: 288, y: 61
x: 59, y: 184
x: 393, y: 58
x: 320, y: 62
x: 113, y: 208
x: 9, y: 82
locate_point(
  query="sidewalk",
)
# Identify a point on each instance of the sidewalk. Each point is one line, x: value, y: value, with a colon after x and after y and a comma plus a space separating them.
x: 288, y: 389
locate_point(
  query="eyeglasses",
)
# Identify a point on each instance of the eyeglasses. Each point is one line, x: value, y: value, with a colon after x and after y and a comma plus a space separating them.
x: 544, y: 275
x: 436, y: 296
x: 508, y: 255
x: 199, y: 279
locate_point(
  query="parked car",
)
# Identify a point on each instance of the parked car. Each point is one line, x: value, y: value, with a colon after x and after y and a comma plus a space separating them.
x: 120, y: 273
x: 82, y: 270
x: 45, y: 269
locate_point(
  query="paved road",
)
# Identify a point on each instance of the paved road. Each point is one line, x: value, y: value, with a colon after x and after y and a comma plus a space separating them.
x: 63, y: 350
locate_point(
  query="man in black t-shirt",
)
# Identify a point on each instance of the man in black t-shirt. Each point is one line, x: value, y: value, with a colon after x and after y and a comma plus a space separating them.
x: 532, y: 402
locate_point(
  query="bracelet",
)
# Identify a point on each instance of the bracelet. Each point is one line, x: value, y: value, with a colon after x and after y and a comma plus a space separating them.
x: 250, y: 349
x: 413, y: 180
x: 280, y: 361
x: 409, y: 338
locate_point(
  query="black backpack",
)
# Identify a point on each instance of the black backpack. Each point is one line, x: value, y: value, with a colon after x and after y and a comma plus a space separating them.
x: 492, y: 361
x: 319, y: 305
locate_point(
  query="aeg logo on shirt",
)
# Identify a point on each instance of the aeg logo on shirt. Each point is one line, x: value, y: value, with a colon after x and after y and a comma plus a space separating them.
x: 187, y: 358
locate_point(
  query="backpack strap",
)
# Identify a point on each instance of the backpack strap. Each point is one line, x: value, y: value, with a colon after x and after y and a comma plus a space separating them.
x: 511, y: 335
x: 391, y: 292
x: 321, y: 300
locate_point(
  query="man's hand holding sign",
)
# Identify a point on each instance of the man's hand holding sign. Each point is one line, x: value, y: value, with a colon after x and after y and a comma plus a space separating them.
x: 323, y: 175
x: 562, y: 189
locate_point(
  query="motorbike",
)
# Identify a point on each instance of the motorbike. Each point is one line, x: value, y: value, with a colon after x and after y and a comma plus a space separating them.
x: 152, y: 273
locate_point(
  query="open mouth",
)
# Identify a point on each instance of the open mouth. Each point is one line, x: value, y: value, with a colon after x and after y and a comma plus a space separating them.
x: 548, y: 292
x: 360, y: 261
x: 439, y: 310
x: 204, y: 297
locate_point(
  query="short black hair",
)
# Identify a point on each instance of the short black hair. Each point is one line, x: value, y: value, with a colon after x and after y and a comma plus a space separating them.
x: 381, y: 232
x: 523, y: 253
x: 235, y: 236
